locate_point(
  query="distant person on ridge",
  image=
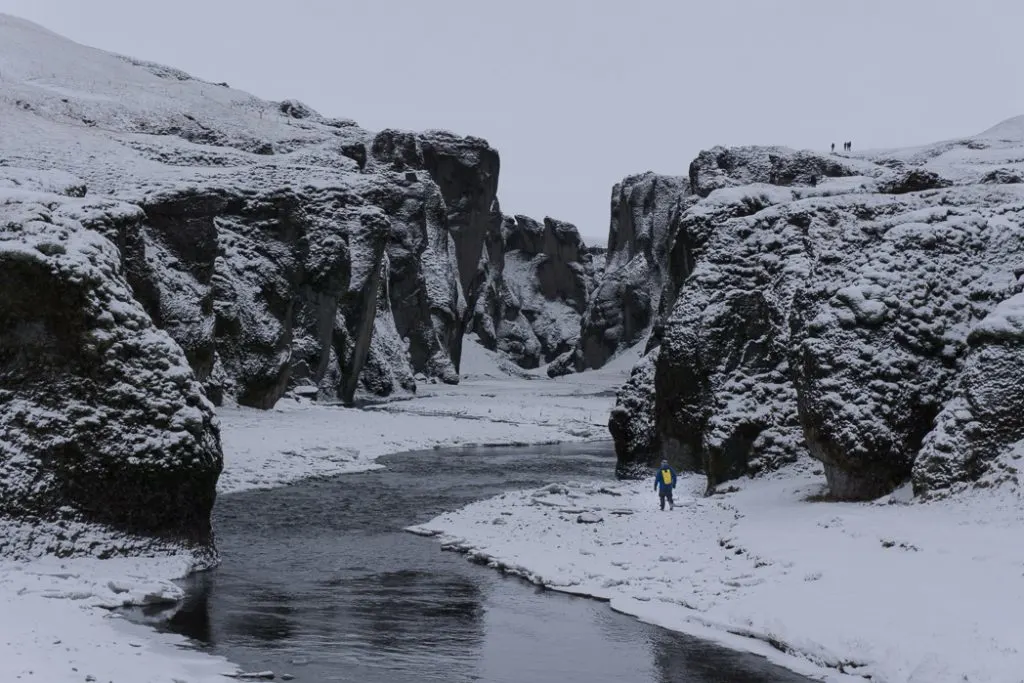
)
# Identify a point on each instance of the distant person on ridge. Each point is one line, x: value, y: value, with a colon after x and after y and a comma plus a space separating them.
x: 833, y: 148
x: 664, y: 482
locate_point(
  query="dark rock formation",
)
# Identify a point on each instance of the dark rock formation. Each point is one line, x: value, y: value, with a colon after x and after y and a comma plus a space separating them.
x: 465, y: 170
x: 632, y: 420
x: 722, y: 167
x: 978, y: 433
x: 624, y: 304
x: 425, y: 297
x: 536, y: 286
x: 102, y: 418
x: 270, y: 288
x: 264, y: 223
x: 1002, y: 176
x: 837, y: 316
x: 913, y: 180
x: 388, y: 368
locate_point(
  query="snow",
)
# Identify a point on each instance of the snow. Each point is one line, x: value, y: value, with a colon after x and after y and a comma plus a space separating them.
x: 54, y: 624
x: 54, y: 619
x: 901, y: 593
x: 1006, y: 321
x: 479, y: 362
x: 921, y: 593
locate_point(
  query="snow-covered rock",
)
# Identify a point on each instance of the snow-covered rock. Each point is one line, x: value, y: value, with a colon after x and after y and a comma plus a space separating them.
x: 104, y: 424
x: 538, y: 277
x: 263, y: 225
x: 632, y: 419
x: 837, y: 306
x: 625, y: 302
x: 465, y: 169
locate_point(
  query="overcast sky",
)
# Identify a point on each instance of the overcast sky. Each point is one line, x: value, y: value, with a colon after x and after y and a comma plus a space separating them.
x: 576, y: 94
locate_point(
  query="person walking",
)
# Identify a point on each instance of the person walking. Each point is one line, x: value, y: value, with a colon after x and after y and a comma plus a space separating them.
x: 664, y: 483
x: 833, y: 148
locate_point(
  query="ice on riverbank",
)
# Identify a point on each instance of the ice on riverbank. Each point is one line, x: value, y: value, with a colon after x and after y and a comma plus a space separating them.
x: 900, y: 593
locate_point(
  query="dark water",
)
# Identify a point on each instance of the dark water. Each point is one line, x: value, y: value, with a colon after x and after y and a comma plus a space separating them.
x: 319, y: 581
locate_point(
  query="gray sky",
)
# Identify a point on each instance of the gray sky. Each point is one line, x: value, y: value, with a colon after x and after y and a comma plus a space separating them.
x: 576, y: 94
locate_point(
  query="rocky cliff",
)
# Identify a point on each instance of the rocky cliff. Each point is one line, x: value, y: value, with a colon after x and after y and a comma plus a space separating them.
x: 626, y: 296
x: 538, y: 277
x: 200, y: 244
x: 860, y: 310
x: 103, y: 420
x: 268, y: 233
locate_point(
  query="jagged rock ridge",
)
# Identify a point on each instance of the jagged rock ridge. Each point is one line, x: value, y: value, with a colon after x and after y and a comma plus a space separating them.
x: 626, y: 297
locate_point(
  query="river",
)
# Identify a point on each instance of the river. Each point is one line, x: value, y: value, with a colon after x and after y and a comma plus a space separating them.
x: 320, y: 582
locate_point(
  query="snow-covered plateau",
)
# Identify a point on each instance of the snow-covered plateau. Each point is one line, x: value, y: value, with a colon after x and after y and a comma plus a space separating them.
x: 198, y: 287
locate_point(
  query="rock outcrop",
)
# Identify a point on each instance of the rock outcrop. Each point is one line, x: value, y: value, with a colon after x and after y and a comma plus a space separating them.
x: 538, y: 277
x: 267, y: 287
x: 195, y: 245
x: 859, y: 310
x: 465, y: 169
x: 103, y: 420
x: 625, y: 301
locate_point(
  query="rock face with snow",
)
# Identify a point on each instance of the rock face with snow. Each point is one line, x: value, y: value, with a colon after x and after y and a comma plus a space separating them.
x: 859, y: 309
x: 171, y: 241
x: 626, y: 299
x: 268, y: 233
x: 103, y: 420
x: 465, y: 170
x: 538, y: 278
x: 262, y: 288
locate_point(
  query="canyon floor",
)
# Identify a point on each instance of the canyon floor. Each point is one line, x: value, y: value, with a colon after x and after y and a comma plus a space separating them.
x: 891, y: 590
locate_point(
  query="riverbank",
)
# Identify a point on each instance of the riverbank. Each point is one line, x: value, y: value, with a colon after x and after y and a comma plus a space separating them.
x: 54, y: 614
x: 887, y: 591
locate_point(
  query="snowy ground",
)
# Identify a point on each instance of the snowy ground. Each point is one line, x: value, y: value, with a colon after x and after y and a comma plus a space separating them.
x: 915, y: 593
x: 53, y: 623
x: 297, y: 439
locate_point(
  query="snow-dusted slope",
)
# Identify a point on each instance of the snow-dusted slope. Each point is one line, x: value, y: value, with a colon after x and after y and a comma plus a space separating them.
x: 862, y: 309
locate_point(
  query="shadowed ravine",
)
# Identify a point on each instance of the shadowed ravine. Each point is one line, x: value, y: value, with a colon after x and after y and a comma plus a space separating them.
x: 319, y: 581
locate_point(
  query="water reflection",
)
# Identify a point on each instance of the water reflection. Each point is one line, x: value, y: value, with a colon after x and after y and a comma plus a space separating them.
x: 192, y: 618
x: 406, y: 606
